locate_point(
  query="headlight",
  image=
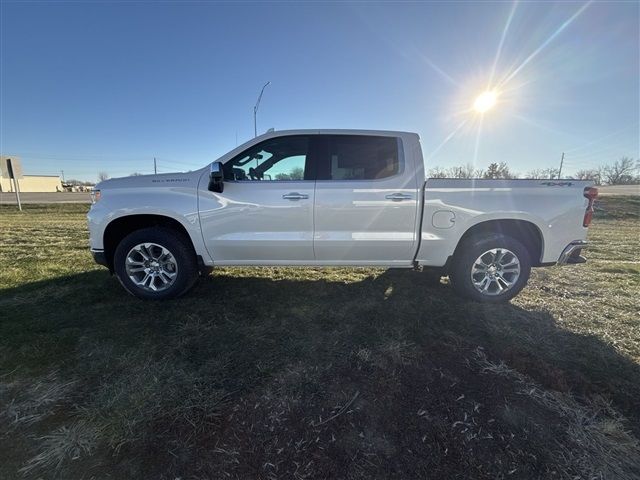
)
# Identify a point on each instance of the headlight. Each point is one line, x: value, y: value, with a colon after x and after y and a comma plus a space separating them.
x: 95, y: 196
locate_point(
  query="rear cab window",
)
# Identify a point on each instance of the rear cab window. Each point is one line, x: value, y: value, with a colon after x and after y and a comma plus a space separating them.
x: 359, y: 157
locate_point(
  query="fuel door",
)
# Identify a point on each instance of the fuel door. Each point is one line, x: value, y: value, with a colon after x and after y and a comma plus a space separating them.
x: 443, y: 219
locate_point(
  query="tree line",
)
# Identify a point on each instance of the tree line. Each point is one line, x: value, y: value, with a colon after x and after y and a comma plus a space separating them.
x: 625, y: 171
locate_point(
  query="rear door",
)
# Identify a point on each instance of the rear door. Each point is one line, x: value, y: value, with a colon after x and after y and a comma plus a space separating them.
x: 366, y: 202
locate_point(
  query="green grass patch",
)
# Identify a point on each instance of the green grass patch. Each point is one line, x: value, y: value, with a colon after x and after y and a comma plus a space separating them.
x: 617, y: 207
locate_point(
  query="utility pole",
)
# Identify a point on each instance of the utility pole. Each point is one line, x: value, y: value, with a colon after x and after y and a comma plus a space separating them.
x: 155, y: 167
x: 560, y: 170
x: 62, y: 172
x: 255, y: 110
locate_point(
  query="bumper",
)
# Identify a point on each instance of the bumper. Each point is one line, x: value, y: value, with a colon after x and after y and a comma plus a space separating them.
x: 571, y: 253
x: 99, y: 257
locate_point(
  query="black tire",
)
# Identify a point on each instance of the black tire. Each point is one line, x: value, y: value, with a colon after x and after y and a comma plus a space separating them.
x: 470, y: 251
x: 176, y: 243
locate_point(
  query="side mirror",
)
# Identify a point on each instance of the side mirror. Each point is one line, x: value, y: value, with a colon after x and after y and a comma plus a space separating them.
x: 216, y: 178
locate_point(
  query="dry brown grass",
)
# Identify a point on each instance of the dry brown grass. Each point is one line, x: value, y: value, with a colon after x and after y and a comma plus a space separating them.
x: 601, y: 445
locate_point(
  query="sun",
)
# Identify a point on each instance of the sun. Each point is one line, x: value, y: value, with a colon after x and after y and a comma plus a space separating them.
x: 485, y: 101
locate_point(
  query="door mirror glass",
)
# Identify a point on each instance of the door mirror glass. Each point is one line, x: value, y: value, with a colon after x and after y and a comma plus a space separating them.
x: 216, y: 178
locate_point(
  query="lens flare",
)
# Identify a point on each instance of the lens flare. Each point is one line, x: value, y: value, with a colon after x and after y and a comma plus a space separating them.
x: 485, y: 101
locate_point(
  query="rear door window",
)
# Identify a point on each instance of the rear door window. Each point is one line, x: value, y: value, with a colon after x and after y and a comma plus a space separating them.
x: 359, y: 157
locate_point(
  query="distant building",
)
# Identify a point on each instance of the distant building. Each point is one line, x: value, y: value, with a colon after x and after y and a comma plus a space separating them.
x: 33, y: 183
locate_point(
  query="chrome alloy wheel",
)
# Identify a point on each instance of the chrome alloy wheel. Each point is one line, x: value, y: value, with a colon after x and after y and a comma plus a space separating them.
x: 151, y: 267
x: 495, y: 271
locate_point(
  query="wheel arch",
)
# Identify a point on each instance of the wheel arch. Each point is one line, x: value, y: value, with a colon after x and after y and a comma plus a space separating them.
x: 526, y: 232
x: 120, y: 227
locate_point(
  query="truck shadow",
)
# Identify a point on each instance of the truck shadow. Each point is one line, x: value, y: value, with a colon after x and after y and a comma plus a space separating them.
x: 269, y: 314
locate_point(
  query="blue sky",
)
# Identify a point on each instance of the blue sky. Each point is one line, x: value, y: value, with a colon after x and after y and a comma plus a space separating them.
x: 106, y: 86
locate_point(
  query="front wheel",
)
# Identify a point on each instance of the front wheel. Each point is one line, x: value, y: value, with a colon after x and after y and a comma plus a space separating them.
x: 490, y: 269
x: 155, y: 263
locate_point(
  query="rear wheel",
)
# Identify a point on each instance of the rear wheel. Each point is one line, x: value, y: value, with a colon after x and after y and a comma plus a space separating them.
x: 490, y: 269
x: 155, y: 263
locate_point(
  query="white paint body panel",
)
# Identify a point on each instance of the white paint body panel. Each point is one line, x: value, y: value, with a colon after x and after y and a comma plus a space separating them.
x: 250, y: 223
x: 557, y: 212
x: 172, y: 195
x: 356, y: 224
x: 341, y: 222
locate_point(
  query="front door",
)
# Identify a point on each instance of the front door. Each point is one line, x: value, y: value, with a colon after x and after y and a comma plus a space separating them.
x: 265, y: 214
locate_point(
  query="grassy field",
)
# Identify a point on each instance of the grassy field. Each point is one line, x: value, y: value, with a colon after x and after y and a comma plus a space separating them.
x: 309, y: 373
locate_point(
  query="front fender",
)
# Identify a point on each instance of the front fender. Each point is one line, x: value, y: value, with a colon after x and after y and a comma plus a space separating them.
x: 176, y: 203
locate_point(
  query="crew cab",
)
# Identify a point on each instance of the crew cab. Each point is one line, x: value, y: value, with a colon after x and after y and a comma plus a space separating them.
x: 335, y: 198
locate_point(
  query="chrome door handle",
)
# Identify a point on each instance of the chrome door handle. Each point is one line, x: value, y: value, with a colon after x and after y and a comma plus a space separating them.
x: 398, y: 197
x: 295, y: 196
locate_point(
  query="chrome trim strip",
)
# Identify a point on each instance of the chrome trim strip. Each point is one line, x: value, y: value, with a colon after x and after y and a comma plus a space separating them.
x: 569, y: 249
x: 100, y: 258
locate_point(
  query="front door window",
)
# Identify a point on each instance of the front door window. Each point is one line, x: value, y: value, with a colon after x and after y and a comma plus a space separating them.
x: 278, y: 159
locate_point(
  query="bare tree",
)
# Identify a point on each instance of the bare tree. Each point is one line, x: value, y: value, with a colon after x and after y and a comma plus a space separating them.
x: 499, y: 170
x: 102, y: 176
x: 74, y: 182
x: 465, y: 171
x: 594, y: 174
x: 296, y: 173
x: 437, y: 172
x: 622, y: 172
x: 543, y: 173
x: 469, y: 171
x: 136, y: 174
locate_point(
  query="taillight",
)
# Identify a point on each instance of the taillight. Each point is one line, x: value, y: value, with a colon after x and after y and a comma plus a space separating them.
x: 590, y: 193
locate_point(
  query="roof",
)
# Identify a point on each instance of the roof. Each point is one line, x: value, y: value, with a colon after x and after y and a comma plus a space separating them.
x: 334, y: 131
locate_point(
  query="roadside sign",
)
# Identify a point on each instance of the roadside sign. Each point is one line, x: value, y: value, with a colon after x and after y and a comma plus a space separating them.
x: 8, y: 163
x: 11, y: 168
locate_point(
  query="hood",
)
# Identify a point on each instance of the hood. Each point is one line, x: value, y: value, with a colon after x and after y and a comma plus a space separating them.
x: 178, y: 179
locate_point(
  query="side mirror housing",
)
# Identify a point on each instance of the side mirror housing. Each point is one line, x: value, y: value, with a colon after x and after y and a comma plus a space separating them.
x: 216, y: 178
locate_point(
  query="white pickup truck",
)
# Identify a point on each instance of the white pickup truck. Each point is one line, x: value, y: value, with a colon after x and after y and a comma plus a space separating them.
x: 335, y: 198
